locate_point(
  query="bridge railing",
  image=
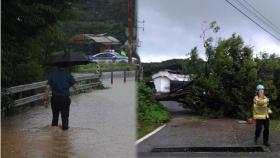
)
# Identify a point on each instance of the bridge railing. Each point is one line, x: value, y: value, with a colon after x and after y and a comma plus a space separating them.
x: 84, y: 82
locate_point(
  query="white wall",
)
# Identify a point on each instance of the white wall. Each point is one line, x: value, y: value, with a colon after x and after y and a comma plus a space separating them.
x: 162, y: 84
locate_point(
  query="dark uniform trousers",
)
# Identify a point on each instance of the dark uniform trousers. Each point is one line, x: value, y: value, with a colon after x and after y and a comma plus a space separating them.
x: 259, y: 124
x: 60, y: 104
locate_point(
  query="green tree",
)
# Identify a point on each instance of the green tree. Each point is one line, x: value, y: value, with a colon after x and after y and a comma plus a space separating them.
x: 29, y: 32
x: 229, y: 86
x: 194, y: 65
x: 269, y: 75
x: 99, y: 16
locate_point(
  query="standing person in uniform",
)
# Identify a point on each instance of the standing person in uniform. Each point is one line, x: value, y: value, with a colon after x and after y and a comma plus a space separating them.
x: 261, y: 113
x: 59, y: 83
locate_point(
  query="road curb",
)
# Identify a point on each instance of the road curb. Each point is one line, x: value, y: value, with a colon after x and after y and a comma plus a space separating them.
x: 150, y: 134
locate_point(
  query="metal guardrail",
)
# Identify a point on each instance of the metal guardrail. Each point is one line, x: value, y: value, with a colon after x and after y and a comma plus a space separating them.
x: 36, y: 85
x: 26, y: 87
x: 93, y: 80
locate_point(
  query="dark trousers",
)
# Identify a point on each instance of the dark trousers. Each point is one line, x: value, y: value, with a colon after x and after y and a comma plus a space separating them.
x: 259, y: 124
x: 60, y: 104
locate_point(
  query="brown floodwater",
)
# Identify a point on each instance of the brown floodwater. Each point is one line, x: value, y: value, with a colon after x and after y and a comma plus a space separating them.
x: 100, y: 126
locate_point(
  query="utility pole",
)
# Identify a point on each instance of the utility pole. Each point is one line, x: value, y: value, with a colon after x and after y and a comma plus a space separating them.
x: 130, y: 30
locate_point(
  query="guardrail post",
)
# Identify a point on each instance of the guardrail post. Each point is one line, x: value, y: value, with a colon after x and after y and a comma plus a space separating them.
x: 111, y: 76
x: 91, y: 81
x: 124, y: 76
x: 136, y: 75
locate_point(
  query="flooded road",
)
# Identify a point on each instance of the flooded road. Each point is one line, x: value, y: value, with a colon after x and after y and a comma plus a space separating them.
x: 102, y: 124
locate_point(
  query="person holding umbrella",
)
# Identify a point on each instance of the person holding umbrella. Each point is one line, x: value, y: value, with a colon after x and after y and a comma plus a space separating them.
x: 59, y: 83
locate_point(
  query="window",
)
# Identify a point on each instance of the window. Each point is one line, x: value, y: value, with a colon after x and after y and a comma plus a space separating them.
x: 110, y: 55
x: 101, y: 55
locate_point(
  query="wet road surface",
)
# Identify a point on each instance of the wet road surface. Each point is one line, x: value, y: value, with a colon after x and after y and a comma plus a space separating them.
x: 187, y: 130
x: 102, y: 125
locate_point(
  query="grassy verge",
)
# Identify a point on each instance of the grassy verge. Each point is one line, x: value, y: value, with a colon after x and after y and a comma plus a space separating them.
x: 275, y: 125
x: 150, y: 113
x: 91, y: 68
x: 144, y: 129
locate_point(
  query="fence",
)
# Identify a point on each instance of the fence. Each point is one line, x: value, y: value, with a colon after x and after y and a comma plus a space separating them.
x: 85, y: 82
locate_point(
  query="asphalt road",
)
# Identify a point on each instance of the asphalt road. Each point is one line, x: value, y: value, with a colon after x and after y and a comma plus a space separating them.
x: 187, y: 130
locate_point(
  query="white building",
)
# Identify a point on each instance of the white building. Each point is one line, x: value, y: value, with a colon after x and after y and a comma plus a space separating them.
x: 163, y: 79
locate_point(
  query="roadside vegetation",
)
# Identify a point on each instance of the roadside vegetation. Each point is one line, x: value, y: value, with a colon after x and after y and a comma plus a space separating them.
x: 104, y: 67
x: 173, y: 64
x: 275, y: 125
x: 225, y: 84
x: 34, y: 30
x: 151, y: 113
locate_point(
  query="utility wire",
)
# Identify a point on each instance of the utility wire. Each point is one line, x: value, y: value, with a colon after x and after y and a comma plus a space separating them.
x: 252, y: 20
x: 262, y: 15
x: 246, y: 8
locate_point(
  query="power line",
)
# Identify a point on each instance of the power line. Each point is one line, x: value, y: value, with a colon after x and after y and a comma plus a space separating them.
x: 246, y: 8
x: 253, y: 20
x: 262, y: 15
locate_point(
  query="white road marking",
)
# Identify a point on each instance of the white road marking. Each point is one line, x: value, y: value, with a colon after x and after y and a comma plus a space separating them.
x: 150, y: 134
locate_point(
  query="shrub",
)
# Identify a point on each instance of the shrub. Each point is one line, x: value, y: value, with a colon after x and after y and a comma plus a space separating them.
x: 149, y: 110
x: 227, y: 85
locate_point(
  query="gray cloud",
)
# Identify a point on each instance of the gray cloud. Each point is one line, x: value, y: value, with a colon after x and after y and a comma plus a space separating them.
x: 172, y: 28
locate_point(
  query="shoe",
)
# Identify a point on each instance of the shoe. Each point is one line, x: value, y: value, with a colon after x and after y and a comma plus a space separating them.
x: 65, y: 128
x: 266, y: 144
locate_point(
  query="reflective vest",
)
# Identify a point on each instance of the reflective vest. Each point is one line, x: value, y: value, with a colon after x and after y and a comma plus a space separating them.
x: 123, y: 53
x: 260, y: 108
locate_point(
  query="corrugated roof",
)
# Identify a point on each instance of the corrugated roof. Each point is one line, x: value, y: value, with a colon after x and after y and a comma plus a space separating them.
x: 99, y: 38
x: 113, y: 39
x: 163, y: 74
x: 172, y: 77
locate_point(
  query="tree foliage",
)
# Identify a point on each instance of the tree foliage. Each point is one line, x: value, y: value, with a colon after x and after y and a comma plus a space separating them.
x: 193, y: 65
x: 29, y: 34
x: 99, y: 16
x: 228, y: 85
x: 34, y: 30
x: 173, y: 64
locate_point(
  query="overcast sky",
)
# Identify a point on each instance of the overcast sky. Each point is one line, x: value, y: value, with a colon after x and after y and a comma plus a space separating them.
x: 173, y: 27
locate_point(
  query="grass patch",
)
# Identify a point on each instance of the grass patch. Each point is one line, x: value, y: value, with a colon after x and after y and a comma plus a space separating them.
x: 143, y: 129
x: 151, y: 113
x: 91, y: 68
x: 275, y: 125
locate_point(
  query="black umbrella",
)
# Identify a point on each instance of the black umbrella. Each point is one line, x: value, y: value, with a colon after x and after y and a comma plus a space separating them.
x: 68, y: 59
